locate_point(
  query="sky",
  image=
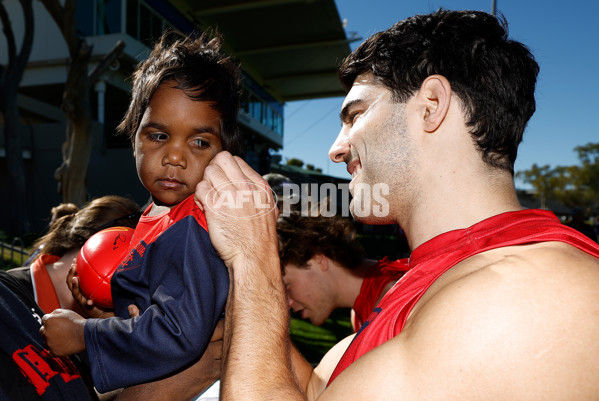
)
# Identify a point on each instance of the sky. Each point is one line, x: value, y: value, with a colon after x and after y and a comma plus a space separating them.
x: 563, y: 37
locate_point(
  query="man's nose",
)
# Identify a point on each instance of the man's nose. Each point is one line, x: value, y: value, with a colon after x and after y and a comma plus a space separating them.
x: 339, y: 148
x: 290, y: 302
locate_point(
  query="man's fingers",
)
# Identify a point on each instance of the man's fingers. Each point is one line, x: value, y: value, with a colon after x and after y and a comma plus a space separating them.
x: 223, y: 168
x: 248, y: 171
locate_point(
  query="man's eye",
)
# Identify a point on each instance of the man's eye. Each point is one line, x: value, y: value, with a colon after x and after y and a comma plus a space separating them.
x: 352, y: 117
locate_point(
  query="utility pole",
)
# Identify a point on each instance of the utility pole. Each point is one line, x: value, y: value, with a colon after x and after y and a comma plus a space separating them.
x: 493, y: 7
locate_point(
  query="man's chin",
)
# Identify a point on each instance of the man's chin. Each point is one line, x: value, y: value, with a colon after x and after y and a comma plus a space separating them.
x: 369, y: 217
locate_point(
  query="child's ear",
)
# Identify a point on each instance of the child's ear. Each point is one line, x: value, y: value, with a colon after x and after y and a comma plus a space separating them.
x: 435, y: 94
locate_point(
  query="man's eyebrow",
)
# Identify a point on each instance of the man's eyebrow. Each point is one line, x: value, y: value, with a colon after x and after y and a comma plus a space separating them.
x: 344, y: 114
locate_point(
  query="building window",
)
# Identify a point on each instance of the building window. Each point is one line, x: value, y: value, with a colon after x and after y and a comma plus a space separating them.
x: 261, y: 111
x: 108, y: 16
x: 103, y: 17
x: 143, y: 23
x: 85, y: 18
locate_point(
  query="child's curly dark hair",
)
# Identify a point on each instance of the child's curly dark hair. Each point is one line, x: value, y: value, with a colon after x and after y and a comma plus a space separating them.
x: 201, y: 70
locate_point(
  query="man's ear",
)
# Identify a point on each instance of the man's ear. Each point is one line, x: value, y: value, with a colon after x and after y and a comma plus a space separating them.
x: 321, y: 261
x: 436, y: 95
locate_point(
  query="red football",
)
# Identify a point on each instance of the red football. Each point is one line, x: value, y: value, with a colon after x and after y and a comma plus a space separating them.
x: 98, y: 259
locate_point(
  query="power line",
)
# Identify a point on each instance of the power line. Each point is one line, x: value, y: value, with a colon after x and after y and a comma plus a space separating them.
x: 335, y: 107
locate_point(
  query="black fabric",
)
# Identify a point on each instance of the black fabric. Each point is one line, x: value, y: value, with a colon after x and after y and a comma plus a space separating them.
x: 27, y: 371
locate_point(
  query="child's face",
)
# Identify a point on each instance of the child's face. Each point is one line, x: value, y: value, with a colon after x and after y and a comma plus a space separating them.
x: 175, y: 141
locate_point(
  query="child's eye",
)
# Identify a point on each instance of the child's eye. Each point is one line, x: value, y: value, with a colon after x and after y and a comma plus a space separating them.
x: 201, y: 143
x: 157, y: 136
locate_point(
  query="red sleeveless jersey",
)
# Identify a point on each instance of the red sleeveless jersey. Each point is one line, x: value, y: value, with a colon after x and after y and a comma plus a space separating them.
x: 433, y: 258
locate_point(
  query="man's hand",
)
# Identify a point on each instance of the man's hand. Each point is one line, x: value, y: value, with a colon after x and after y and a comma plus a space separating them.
x: 242, y: 224
x: 63, y: 332
x: 88, y: 306
x: 240, y: 210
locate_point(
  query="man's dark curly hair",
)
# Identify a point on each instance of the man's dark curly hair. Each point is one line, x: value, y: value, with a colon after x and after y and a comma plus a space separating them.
x: 302, y: 237
x: 201, y: 70
x: 493, y: 76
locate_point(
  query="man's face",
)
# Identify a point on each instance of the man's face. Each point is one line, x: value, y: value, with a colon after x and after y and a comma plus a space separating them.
x: 308, y: 291
x: 374, y: 144
x: 174, y: 143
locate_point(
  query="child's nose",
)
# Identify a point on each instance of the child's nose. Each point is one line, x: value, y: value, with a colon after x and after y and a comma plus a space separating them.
x: 174, y: 156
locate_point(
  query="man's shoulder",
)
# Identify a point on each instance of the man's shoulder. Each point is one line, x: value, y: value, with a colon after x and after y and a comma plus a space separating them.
x: 541, y: 291
x: 544, y: 262
x: 524, y: 270
x: 514, y: 322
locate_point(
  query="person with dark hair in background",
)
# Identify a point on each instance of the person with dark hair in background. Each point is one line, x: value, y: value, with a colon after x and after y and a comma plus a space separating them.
x: 500, y: 302
x: 324, y: 268
x: 183, y: 111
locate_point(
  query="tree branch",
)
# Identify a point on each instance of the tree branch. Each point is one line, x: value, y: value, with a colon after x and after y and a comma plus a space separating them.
x: 8, y: 32
x: 106, y: 61
x: 23, y: 57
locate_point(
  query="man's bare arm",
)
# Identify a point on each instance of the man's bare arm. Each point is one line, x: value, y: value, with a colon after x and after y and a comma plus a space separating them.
x: 257, y: 360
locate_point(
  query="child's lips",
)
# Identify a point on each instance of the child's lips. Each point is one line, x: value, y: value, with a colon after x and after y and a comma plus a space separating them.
x: 169, y: 183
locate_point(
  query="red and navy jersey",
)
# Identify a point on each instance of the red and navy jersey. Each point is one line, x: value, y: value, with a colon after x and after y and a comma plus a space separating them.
x: 176, y: 278
x: 433, y: 258
x: 377, y: 277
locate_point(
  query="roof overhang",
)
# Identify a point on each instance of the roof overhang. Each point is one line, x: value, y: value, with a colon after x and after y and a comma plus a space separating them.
x: 292, y: 48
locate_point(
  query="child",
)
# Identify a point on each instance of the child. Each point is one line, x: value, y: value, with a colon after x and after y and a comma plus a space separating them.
x: 183, y: 112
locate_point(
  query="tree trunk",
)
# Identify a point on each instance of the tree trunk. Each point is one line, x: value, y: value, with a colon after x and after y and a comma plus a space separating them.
x: 19, y: 223
x: 72, y: 174
x: 76, y: 150
x: 10, y: 78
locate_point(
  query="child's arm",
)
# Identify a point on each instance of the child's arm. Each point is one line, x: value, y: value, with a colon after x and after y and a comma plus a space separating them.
x: 187, y: 384
x: 188, y: 286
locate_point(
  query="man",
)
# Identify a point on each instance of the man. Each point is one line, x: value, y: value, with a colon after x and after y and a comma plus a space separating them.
x: 324, y: 268
x: 500, y: 303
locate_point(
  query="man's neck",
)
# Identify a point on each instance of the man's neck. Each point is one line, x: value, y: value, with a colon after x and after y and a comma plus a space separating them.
x: 349, y: 282
x: 459, y: 203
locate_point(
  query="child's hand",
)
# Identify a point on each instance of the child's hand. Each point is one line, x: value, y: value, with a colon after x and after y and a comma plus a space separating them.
x: 133, y: 310
x: 63, y: 331
x: 87, y: 305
